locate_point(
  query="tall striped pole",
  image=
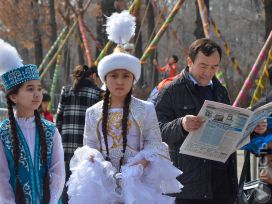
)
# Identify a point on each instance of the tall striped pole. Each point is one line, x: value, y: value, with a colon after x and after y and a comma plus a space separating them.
x: 59, y: 50
x: 158, y: 36
x: 262, y: 81
x: 254, y: 71
x: 204, y: 17
x: 54, y: 82
x: 53, y: 47
x: 85, y: 41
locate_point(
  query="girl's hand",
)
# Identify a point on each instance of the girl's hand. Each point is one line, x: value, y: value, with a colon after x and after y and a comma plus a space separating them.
x: 143, y: 162
x: 91, y: 158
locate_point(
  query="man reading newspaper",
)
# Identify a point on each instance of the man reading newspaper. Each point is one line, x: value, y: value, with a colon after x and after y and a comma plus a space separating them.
x: 205, y: 180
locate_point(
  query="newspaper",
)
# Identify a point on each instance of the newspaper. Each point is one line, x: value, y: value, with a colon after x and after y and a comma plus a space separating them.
x: 225, y: 130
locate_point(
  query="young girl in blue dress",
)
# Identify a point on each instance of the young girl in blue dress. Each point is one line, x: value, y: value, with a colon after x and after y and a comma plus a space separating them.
x: 31, y: 153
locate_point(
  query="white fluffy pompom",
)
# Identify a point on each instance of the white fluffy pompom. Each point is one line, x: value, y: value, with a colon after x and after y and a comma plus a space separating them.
x: 120, y: 27
x: 9, y: 57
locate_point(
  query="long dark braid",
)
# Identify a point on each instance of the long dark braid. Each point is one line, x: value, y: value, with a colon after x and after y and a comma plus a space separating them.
x: 43, y: 150
x: 19, y: 192
x: 125, y: 126
x: 124, y: 123
x: 105, y: 121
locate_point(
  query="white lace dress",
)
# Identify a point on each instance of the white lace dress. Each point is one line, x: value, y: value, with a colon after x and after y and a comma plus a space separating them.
x: 100, y: 182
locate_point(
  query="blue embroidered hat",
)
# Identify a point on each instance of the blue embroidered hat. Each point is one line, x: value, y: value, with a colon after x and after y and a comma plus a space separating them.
x: 12, y: 70
x: 20, y: 75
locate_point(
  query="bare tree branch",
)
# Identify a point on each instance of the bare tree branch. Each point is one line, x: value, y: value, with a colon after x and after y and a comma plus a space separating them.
x: 87, y: 5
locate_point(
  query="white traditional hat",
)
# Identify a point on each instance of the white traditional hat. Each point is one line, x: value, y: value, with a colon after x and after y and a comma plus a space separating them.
x: 120, y: 28
x: 12, y: 70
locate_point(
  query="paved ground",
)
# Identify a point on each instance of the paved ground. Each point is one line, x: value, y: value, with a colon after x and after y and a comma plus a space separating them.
x: 240, y: 162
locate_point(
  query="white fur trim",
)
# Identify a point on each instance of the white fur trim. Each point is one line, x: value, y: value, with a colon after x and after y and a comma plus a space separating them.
x: 119, y: 61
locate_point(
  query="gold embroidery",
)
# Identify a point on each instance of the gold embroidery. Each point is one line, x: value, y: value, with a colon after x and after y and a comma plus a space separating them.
x: 115, y: 127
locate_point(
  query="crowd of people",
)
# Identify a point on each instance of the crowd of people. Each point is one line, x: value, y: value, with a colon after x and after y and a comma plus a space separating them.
x: 107, y: 146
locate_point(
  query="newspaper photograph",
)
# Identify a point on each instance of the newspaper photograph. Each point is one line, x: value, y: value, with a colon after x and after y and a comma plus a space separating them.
x: 225, y: 129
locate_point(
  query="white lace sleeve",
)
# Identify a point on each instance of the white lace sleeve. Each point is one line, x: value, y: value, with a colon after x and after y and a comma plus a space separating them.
x: 151, y: 134
x: 89, y: 137
x: 6, y: 192
x: 57, y: 169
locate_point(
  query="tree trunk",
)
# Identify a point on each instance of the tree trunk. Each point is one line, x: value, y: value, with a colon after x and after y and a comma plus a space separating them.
x: 199, y: 32
x: 67, y: 65
x: 139, y: 46
x: 139, y: 53
x: 53, y: 23
x: 107, y: 8
x: 53, y: 33
x: 80, y: 50
x: 268, y: 17
x: 150, y: 28
x: 37, y: 38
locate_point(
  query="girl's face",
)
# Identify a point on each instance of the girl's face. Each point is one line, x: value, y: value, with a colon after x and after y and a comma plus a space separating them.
x: 28, y: 98
x: 261, y: 127
x: 119, y: 82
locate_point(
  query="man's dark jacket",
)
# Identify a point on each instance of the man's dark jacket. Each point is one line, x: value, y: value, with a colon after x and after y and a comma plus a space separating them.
x: 199, y: 176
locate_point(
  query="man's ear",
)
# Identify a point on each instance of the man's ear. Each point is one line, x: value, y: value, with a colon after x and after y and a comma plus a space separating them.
x: 189, y: 62
x: 13, y: 98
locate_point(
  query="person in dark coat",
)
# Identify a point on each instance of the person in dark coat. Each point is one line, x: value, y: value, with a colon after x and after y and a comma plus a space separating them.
x: 178, y: 104
x: 261, y: 139
x: 70, y: 119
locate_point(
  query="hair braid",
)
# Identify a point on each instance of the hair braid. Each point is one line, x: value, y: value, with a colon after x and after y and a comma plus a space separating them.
x: 105, y: 121
x: 43, y: 150
x: 125, y: 126
x: 19, y: 192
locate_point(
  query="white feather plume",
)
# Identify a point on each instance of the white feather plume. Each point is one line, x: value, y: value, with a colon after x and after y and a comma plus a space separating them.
x: 120, y: 27
x: 9, y: 57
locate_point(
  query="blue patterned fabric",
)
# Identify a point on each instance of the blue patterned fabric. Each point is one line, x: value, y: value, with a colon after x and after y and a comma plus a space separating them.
x: 30, y: 174
x: 259, y: 145
x: 269, y: 123
x: 20, y: 75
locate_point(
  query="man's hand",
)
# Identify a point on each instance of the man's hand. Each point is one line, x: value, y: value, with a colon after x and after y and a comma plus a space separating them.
x: 191, y: 123
x: 261, y: 127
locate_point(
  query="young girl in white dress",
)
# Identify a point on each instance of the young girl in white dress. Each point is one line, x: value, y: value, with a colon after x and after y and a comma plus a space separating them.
x: 124, y: 159
x: 31, y: 154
